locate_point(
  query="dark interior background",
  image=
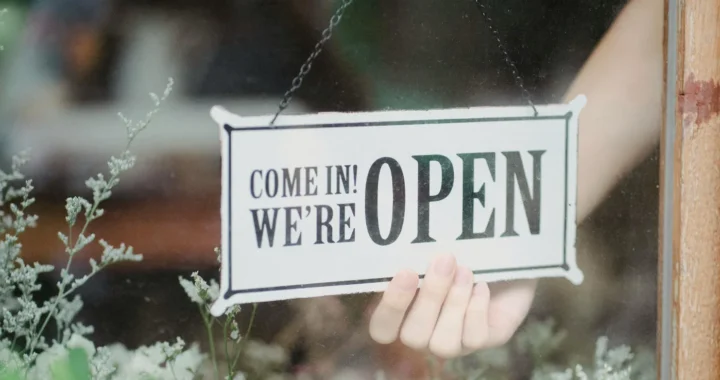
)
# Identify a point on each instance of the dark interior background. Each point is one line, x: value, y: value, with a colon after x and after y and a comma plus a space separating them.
x: 385, y: 54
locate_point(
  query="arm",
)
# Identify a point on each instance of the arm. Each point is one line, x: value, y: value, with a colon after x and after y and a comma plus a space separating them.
x: 622, y: 79
x: 619, y: 126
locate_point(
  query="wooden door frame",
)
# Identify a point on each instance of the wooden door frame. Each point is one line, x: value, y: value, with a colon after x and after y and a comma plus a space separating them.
x: 689, y: 260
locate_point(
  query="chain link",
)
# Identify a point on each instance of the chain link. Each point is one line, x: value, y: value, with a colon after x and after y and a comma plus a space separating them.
x: 335, y: 20
x: 518, y: 79
x: 305, y: 68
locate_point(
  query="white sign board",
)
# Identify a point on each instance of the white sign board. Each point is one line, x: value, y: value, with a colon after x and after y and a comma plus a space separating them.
x: 337, y: 203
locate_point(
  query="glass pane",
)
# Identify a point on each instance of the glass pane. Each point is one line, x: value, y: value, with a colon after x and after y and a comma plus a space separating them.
x: 69, y: 67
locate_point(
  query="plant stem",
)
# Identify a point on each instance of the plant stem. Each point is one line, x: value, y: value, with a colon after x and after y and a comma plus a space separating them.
x: 50, y: 311
x: 172, y: 370
x: 252, y: 320
x: 227, y: 352
x: 59, y: 330
x: 70, y: 236
x: 247, y: 334
x: 89, y: 276
x: 14, y: 341
x: 211, y: 339
x: 89, y: 217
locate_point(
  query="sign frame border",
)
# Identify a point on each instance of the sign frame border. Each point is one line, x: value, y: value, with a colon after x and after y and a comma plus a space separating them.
x: 225, y: 120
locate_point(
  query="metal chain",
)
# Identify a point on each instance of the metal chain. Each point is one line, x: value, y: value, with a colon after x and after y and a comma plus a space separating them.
x: 518, y: 79
x: 305, y: 68
x: 335, y: 20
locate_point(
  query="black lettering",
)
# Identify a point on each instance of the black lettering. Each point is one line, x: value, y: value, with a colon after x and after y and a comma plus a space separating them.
x: 323, y: 222
x: 371, y: 200
x: 271, y: 193
x: 424, y: 197
x: 530, y: 203
x: 345, y: 222
x: 328, y: 182
x: 310, y: 180
x: 470, y: 195
x: 291, y: 182
x: 342, y: 177
x: 291, y: 226
x: 252, y: 184
x: 266, y: 226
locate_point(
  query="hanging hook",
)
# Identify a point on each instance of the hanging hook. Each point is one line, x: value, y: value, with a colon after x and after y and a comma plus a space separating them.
x: 518, y: 80
x: 305, y: 68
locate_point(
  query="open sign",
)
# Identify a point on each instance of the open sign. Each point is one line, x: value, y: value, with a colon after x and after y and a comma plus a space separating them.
x: 337, y: 203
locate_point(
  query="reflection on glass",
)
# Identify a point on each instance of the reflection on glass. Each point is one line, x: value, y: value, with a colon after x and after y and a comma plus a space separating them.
x: 69, y: 66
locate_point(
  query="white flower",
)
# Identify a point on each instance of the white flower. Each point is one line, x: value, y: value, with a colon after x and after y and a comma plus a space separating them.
x: 259, y: 354
x: 113, y: 255
x: 42, y: 368
x: 153, y: 361
x: 79, y: 341
x: 213, y: 290
x: 190, y: 290
x: 199, y: 291
x: 102, y: 366
x: 188, y: 363
x: 9, y: 358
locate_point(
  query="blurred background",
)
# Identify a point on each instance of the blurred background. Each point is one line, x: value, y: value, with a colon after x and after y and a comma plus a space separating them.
x: 69, y: 66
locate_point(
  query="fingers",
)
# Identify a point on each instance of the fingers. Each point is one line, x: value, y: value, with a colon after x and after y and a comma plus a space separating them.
x: 449, y: 316
x: 492, y: 321
x: 475, y: 331
x: 420, y: 322
x: 388, y: 316
x: 507, y: 309
x: 446, y: 340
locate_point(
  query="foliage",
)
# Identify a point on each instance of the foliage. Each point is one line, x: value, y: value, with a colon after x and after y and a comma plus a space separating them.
x: 24, y: 342
x: 260, y: 360
x: 27, y: 351
x: 540, y: 342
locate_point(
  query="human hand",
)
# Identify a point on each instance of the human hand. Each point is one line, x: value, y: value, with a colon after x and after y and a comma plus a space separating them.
x: 450, y: 317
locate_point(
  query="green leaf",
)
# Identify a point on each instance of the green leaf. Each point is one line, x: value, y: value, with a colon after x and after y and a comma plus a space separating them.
x: 7, y: 374
x: 75, y: 367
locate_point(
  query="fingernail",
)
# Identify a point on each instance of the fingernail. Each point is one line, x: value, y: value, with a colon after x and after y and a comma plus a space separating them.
x: 463, y: 276
x: 445, y: 265
x: 406, y: 280
x: 480, y: 290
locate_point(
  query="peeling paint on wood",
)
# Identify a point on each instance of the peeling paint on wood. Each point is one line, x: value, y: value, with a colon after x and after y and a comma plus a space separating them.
x: 700, y: 101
